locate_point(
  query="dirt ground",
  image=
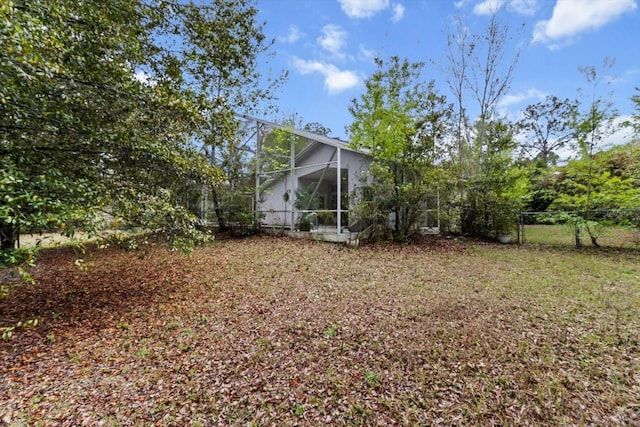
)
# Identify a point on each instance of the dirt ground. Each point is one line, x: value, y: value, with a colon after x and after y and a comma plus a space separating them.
x: 274, y: 331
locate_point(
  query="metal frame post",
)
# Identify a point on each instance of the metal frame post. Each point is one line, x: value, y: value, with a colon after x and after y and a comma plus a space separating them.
x: 256, y: 214
x: 293, y: 182
x: 339, y: 191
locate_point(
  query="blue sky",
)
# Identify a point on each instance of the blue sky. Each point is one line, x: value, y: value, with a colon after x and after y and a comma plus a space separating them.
x: 328, y: 48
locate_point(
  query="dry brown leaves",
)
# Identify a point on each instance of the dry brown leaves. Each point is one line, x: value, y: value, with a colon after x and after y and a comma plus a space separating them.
x: 271, y: 331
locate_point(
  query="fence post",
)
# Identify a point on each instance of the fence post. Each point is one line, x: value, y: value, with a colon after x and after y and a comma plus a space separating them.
x: 577, y: 234
x: 521, y: 225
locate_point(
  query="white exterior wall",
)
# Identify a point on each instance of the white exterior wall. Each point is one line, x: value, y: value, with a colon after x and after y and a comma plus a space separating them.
x: 357, y: 164
x: 277, y: 212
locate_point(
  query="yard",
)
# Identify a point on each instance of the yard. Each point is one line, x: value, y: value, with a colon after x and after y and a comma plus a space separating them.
x: 272, y: 331
x: 564, y: 235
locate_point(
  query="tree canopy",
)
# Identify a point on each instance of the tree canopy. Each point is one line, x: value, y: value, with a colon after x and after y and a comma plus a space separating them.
x: 608, y: 181
x: 400, y: 121
x: 120, y: 112
x: 546, y: 126
x: 106, y: 107
x: 636, y: 115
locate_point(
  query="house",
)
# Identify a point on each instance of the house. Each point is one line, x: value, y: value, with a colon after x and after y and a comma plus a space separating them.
x: 318, y: 168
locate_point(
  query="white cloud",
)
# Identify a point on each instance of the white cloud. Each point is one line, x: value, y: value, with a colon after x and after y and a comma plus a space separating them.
x: 511, y: 105
x: 522, y: 7
x: 335, y: 80
x: 366, y: 54
x: 571, y: 17
x: 487, y: 7
x: 363, y: 8
x: 333, y: 39
x: 628, y: 76
x: 294, y: 35
x: 517, y: 98
x: 398, y: 12
x: 622, y: 135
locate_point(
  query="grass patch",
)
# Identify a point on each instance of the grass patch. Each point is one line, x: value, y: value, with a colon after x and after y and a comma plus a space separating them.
x: 564, y: 235
x: 275, y: 331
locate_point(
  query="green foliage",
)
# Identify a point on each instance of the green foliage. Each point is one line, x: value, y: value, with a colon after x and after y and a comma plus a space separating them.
x: 372, y: 378
x: 480, y: 74
x: 498, y: 189
x: 13, y: 263
x: 635, y: 123
x: 330, y: 332
x: 19, y: 256
x: 304, y: 224
x: 276, y: 150
x: 298, y: 410
x: 306, y: 199
x: 591, y: 127
x: 317, y: 128
x: 276, y: 144
x: 399, y: 120
x: 609, y: 180
x: 104, y: 108
x: 591, y: 193
x: 596, y: 120
x: 125, y: 241
x: 7, y: 331
x: 239, y: 213
x: 547, y: 127
x: 326, y: 218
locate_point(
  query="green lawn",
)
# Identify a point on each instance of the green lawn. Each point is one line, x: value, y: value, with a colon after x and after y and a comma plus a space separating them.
x: 272, y: 331
x: 564, y: 235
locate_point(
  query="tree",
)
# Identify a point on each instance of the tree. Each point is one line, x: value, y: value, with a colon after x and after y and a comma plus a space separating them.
x: 546, y: 126
x: 318, y: 128
x: 399, y: 120
x: 224, y: 42
x: 459, y: 51
x: 608, y: 182
x: 491, y: 72
x: 500, y: 190
x: 105, y: 107
x: 595, y: 121
x: 480, y: 76
x: 591, y: 126
x: 232, y: 197
x: 613, y: 176
x: 635, y: 123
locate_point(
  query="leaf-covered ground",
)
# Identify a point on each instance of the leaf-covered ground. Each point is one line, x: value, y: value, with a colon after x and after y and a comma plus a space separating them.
x: 271, y: 331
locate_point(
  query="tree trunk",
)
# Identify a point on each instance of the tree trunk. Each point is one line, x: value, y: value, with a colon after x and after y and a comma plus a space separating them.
x: 8, y: 236
x: 222, y: 224
x: 592, y: 236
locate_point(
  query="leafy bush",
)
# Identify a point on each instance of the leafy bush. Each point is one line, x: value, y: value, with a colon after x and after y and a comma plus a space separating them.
x: 305, y: 223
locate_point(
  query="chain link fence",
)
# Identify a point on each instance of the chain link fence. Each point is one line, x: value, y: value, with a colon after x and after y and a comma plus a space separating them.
x: 599, y: 228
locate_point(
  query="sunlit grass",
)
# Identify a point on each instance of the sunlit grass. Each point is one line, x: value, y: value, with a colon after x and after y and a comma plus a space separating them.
x: 564, y: 235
